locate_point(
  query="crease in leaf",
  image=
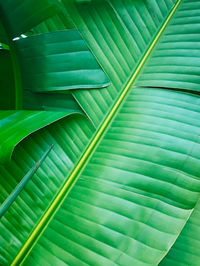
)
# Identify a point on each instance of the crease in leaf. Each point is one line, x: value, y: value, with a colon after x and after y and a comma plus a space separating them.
x: 14, y: 194
x: 186, y: 248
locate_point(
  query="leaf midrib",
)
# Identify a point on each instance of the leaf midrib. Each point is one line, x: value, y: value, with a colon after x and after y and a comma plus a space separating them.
x: 67, y: 186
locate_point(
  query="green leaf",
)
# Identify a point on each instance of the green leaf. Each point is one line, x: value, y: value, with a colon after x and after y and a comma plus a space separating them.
x: 58, y: 61
x: 19, y: 124
x: 185, y: 251
x: 128, y: 197
x: 58, y: 22
x: 175, y: 61
x: 12, y: 197
x: 137, y: 189
x: 50, y: 102
x: 19, y: 16
x: 118, y: 33
x: 69, y: 135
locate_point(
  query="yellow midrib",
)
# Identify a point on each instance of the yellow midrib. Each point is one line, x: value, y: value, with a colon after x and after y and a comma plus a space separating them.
x: 45, y: 220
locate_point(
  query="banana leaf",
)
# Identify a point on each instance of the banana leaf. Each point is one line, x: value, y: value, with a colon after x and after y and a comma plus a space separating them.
x: 69, y: 135
x: 174, y: 62
x: 130, y: 191
x: 136, y: 191
x: 118, y: 33
x: 58, y: 61
x: 16, y: 125
x: 185, y: 251
x: 62, y: 102
x: 12, y: 197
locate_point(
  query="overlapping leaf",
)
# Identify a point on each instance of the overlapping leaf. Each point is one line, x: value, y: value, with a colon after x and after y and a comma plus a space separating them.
x: 58, y: 61
x: 16, y: 125
x: 70, y: 135
x: 118, y: 33
x: 185, y: 251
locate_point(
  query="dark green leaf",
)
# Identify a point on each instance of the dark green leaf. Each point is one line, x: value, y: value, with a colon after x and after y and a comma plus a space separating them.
x: 19, y: 16
x: 7, y: 90
x: 50, y: 102
x: 58, y: 61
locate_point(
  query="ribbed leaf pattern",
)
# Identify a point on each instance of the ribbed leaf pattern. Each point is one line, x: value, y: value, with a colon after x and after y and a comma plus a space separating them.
x: 16, y: 125
x: 58, y: 61
x: 20, y: 16
x: 118, y: 33
x: 175, y: 61
x: 138, y: 188
x: 69, y: 135
x: 142, y: 182
x: 186, y: 249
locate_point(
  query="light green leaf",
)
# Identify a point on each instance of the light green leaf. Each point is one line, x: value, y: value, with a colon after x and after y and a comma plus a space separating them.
x: 175, y: 61
x: 136, y: 191
x: 128, y: 197
x: 12, y: 197
x: 185, y: 251
x: 16, y: 125
x: 69, y: 135
x: 118, y: 33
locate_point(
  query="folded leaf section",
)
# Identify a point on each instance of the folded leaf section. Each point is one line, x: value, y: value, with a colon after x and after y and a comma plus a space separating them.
x: 58, y: 61
x: 175, y: 62
x: 137, y: 190
x: 16, y: 125
x: 57, y: 102
x: 185, y: 251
